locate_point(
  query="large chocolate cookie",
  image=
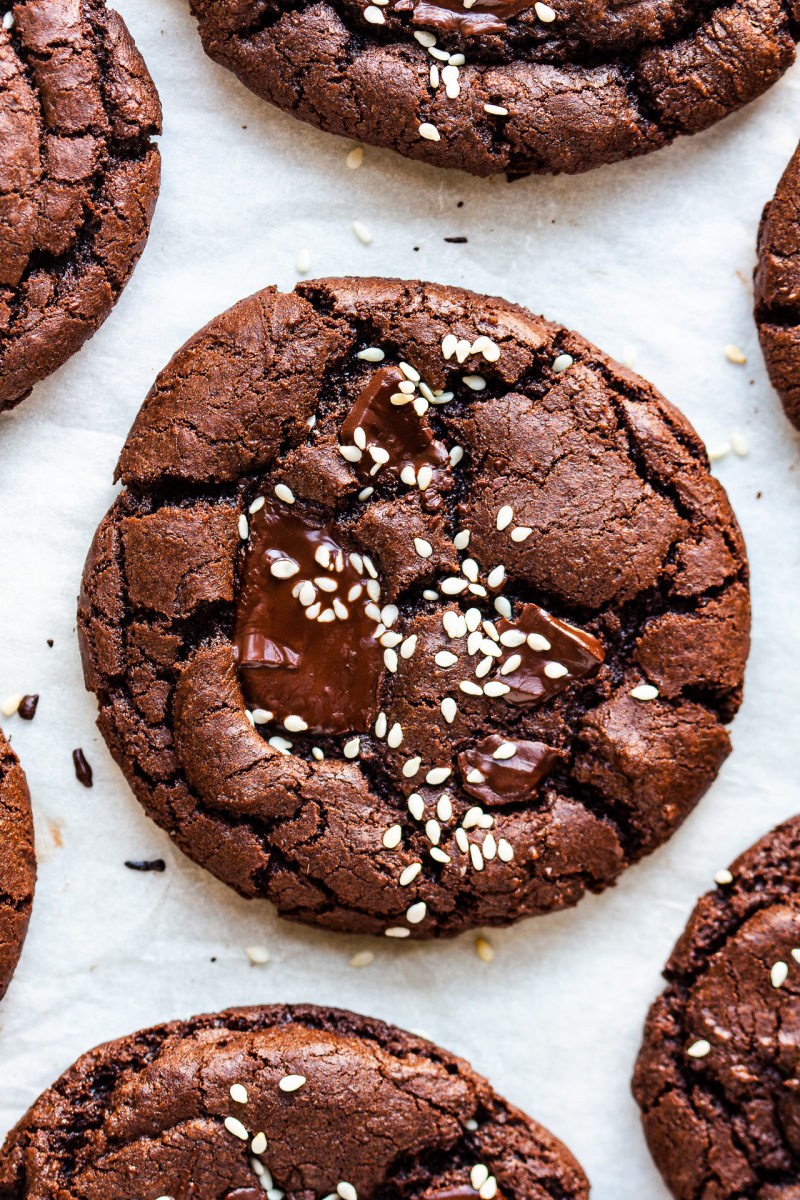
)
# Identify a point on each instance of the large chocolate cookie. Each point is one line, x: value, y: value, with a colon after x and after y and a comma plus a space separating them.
x: 416, y: 613
x: 777, y: 288
x: 17, y: 861
x: 718, y: 1076
x: 78, y: 179
x: 504, y: 85
x: 293, y: 1101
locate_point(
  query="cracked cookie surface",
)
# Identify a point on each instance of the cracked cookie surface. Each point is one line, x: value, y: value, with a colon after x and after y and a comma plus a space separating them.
x: 777, y: 288
x: 78, y: 179
x: 717, y: 1075
x: 295, y: 1098
x: 503, y: 85
x: 17, y: 861
x: 410, y: 662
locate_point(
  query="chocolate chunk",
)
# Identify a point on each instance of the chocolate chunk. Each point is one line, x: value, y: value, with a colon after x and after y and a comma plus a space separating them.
x: 152, y: 864
x: 17, y: 861
x: 304, y: 639
x: 83, y: 772
x: 502, y: 780
x: 50, y: 643
x: 27, y: 707
x: 456, y: 240
x: 551, y: 653
x: 482, y: 17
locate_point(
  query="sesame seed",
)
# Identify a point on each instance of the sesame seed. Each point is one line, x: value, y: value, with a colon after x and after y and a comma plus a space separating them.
x: 8, y: 20
x: 378, y: 455
x: 424, y: 38
x: 734, y: 354
x: 476, y: 383
x: 256, y: 505
x: 493, y: 688
x: 424, y: 477
x: 545, y: 13
x: 351, y: 453
x: 521, y: 533
x: 361, y: 231
x: 284, y: 493
x: 433, y: 76
x: 495, y: 110
x: 327, y: 585
x: 449, y: 341
x: 411, y: 767
x: 699, y: 1049
x: 313, y: 611
x: 489, y: 1189
x: 457, y: 60
x: 306, y: 593
x: 719, y: 451
x: 424, y: 549
x: 303, y: 263
x: 391, y: 839
x: 410, y: 874
x: 317, y: 753
x: 363, y: 958
x: 512, y: 638
x: 462, y: 841
x: 428, y: 394
x: 503, y: 607
x: 354, y: 160
x: 452, y: 585
x: 280, y: 744
x: 417, y: 912
x: 371, y: 353
x: 259, y: 1144
x: 295, y: 724
x: 374, y: 15
x: 433, y: 832
x: 505, y: 516
x: 505, y: 750
x: 440, y: 55
x: 561, y: 362
x: 461, y: 540
x: 779, y: 974
x: 444, y: 807
x: 724, y: 876
x: 470, y: 568
x: 439, y: 855
x: 360, y: 438
x: 352, y: 747
x: 416, y: 805
x: 429, y: 132
x: 489, y: 847
x: 420, y: 406
x: 555, y: 670
x: 261, y: 716
x: 355, y: 592
x: 449, y: 709
x: 644, y: 691
x: 409, y: 646
x: 374, y: 590
x: 258, y: 955
x: 796, y: 955
x: 454, y: 624
x: 291, y: 1083
x: 511, y: 664
x: 244, y: 528
x: 463, y: 350
x: 472, y: 689
x: 380, y: 725
x: 340, y: 610
x: 326, y: 616
x: 409, y: 372
x: 390, y: 639
x: 456, y: 455
x: 485, y: 821
x: 284, y: 568
x: 368, y: 563
x: 537, y: 642
x: 484, y: 667
x: 374, y: 614
x: 739, y: 444
x: 438, y: 775
x: 396, y: 931
x: 238, y: 1093
x: 445, y: 659
x: 496, y: 576
x: 472, y: 815
x: 484, y: 950
x: 236, y: 1128
x: 11, y: 704
x: 395, y: 736
x: 429, y: 594
x: 505, y: 851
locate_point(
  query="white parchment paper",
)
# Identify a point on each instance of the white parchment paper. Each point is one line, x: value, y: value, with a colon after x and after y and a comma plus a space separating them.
x: 656, y: 254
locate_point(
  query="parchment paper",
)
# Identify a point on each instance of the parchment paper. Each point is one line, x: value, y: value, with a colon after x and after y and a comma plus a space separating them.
x: 655, y: 254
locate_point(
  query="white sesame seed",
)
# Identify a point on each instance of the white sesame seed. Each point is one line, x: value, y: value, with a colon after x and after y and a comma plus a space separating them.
x: 445, y: 659
x: 489, y: 1189
x: 236, y: 1128
x: 261, y: 716
x: 340, y: 610
x: 463, y: 349
x: 476, y: 856
x: 420, y: 406
x: 280, y: 744
x: 371, y: 353
x: 484, y: 950
x: 561, y: 362
x: 489, y: 646
x: 389, y: 614
x: 361, y: 231
x: 555, y: 670
x: 392, y: 838
x: 355, y: 592
x: 796, y: 955
x: 258, y: 955
x: 739, y: 444
x: 503, y: 607
x: 303, y: 263
x: 429, y: 594
x: 396, y: 931
x: 724, y: 876
x: 470, y: 569
x: 521, y: 533
x: 244, y: 528
x: 284, y: 493
x: 476, y: 383
x: 395, y: 735
x: 411, y: 767
x: 351, y: 453
x: 424, y: 549
x: 410, y: 874
x: 496, y: 576
x: 11, y: 704
x: 512, y: 638
x: 238, y: 1093
x: 256, y: 505
x: 452, y: 88
x: 355, y: 158
x: 511, y: 664
x: 406, y: 386
x: 493, y: 688
x: 306, y: 593
x: 284, y: 568
x: 439, y: 855
x: 489, y: 848
x: 291, y: 1083
x: 352, y: 748
x: 461, y: 540
x: 479, y: 343
x: 454, y: 624
x: 472, y: 815
x: 779, y: 974
x: 317, y: 753
x: 368, y: 563
x: 444, y: 807
x: 440, y: 55
x: 456, y: 455
x: 373, y: 590
x: 259, y: 1145
x: 450, y: 75
x: 719, y: 451
x: 474, y: 641
x: 417, y: 912
x: 537, y: 642
x: 380, y: 725
x: 427, y: 393
x: 409, y: 372
x: 374, y: 614
x: 505, y: 516
x: 457, y: 60
x: 485, y: 821
x: 734, y: 354
x: 326, y: 616
x: 416, y: 805
x: 433, y: 832
x: 438, y: 775
x: 644, y: 691
x: 312, y: 612
x: 505, y: 750
x: 452, y: 585
x: 378, y: 454
x: 472, y: 689
x: 424, y: 38
x: 484, y: 667
x: 424, y: 477
x: 408, y: 476
x: 429, y: 132
x: 363, y: 958
x: 409, y: 646
x: 491, y: 629
x: 433, y: 76
x: 545, y: 13
x: 326, y: 584
x: 390, y: 639
x: 449, y: 709
x: 8, y: 20
x: 505, y: 851
x: 699, y: 1049
x: 295, y: 724
x: 374, y: 15
x: 360, y: 438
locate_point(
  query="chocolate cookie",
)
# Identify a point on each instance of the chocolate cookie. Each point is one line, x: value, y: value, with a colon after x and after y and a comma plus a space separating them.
x: 718, y: 1075
x: 17, y: 861
x: 504, y: 85
x: 416, y: 613
x: 78, y: 179
x: 777, y: 289
x: 293, y: 1101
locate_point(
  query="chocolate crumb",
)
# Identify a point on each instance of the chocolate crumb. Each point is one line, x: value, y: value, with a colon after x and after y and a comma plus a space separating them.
x: 456, y: 240
x: 27, y: 707
x: 83, y: 772
x: 50, y: 643
x: 152, y: 864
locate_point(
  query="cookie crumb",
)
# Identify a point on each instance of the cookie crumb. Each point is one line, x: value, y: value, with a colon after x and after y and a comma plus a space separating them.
x: 83, y: 772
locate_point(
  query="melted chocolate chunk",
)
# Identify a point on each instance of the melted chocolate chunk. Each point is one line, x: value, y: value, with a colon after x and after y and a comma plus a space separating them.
x: 151, y: 864
x: 399, y: 431
x: 486, y: 16
x: 303, y: 641
x: 245, y: 1194
x: 83, y: 772
x: 548, y: 646
x: 456, y: 1191
x: 504, y: 779
x: 27, y: 706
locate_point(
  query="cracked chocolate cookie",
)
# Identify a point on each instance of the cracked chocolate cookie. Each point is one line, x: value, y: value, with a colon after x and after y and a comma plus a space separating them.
x: 777, y: 289
x: 291, y: 1101
x: 718, y: 1075
x: 17, y: 861
x: 78, y: 179
x: 505, y: 85
x: 416, y: 612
